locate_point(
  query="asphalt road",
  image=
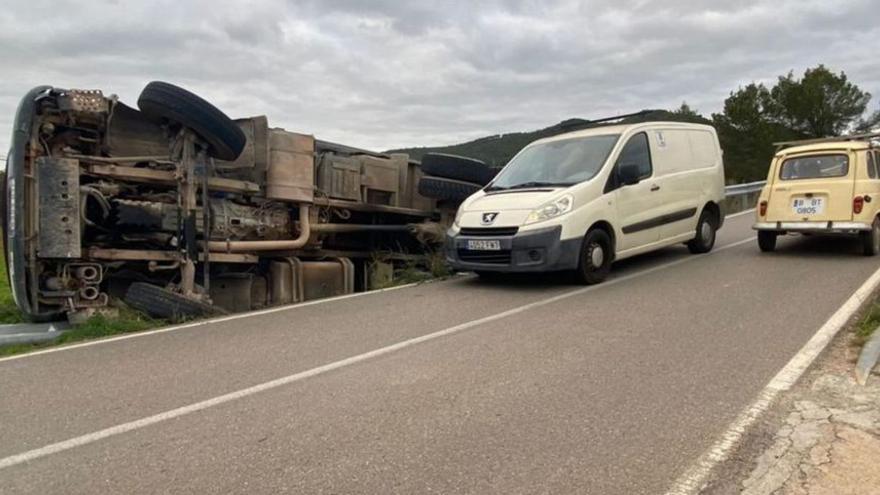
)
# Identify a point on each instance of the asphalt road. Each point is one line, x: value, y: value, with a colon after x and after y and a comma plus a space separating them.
x: 517, y: 387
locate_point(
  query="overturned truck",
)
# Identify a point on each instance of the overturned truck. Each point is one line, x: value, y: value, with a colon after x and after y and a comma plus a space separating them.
x: 181, y: 211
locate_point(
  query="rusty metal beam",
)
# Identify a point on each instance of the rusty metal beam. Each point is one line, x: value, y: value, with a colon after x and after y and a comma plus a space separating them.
x: 147, y: 175
x: 159, y: 255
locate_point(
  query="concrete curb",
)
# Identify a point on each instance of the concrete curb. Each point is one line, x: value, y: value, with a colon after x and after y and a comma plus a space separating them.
x: 31, y: 333
x: 868, y: 358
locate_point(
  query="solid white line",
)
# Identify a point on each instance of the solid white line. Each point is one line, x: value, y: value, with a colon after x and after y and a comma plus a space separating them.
x: 739, y: 214
x: 695, y: 478
x: 236, y: 316
x: 199, y: 323
x: 198, y: 406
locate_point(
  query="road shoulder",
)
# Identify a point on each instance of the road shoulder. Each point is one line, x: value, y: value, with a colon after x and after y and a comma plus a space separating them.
x: 822, y: 437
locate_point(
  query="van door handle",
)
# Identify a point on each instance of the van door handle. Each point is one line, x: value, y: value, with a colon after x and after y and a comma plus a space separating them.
x: 655, y: 187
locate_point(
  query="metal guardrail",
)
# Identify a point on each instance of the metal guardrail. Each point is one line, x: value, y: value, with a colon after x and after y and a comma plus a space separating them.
x: 747, y: 188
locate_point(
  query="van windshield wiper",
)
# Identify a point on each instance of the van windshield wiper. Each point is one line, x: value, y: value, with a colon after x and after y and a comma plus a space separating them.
x: 528, y: 185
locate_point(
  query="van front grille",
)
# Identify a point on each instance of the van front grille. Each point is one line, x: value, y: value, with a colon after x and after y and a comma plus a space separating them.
x: 489, y: 231
x: 487, y: 257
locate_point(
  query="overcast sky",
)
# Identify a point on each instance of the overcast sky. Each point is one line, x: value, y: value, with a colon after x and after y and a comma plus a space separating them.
x: 390, y: 73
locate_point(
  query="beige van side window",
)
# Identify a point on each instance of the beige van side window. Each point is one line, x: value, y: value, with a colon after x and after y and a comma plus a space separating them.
x: 637, y: 151
x: 873, y: 164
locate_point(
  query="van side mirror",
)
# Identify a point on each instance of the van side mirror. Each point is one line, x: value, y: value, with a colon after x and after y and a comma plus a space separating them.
x: 628, y: 174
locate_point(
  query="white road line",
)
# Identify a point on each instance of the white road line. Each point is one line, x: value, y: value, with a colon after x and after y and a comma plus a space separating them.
x: 236, y: 316
x: 739, y: 214
x: 199, y: 323
x: 239, y: 394
x: 695, y: 478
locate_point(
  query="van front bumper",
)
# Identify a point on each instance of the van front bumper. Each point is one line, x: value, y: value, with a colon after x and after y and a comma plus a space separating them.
x: 814, y: 227
x: 539, y: 250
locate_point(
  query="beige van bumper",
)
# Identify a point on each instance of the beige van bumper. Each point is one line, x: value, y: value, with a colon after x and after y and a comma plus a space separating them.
x: 817, y: 227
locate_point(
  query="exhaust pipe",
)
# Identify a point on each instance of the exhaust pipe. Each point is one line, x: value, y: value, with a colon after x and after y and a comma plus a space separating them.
x: 305, y: 232
x: 89, y: 293
x: 88, y: 273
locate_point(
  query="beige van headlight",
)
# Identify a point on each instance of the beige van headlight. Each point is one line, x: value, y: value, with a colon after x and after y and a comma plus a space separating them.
x: 558, y: 206
x: 458, y: 213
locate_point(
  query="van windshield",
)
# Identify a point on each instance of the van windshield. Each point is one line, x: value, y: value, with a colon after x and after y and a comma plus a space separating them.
x: 556, y: 164
x: 814, y: 167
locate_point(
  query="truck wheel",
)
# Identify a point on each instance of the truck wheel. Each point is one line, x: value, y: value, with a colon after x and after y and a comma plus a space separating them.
x: 440, y: 188
x: 160, y: 101
x: 597, y: 254
x: 162, y: 303
x: 705, y: 239
x: 457, y: 167
x: 767, y: 240
x: 871, y: 239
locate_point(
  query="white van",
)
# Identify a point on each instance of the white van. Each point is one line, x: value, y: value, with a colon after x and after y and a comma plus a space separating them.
x: 581, y: 200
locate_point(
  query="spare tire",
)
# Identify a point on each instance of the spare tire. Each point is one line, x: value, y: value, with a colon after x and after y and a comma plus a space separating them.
x: 162, y: 303
x: 457, y: 168
x: 160, y: 101
x: 443, y: 189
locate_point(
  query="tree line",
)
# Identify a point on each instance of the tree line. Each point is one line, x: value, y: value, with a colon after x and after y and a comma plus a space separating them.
x: 820, y: 103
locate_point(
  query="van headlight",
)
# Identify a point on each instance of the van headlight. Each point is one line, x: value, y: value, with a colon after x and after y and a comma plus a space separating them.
x: 458, y: 214
x: 553, y: 209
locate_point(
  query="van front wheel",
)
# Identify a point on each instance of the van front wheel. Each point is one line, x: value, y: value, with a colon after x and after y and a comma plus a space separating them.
x: 596, y: 256
x: 705, y: 238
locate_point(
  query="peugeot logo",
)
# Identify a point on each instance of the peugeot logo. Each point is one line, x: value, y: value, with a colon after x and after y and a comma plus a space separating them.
x: 488, y: 218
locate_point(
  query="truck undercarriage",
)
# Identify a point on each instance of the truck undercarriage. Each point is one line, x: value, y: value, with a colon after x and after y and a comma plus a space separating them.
x: 181, y: 211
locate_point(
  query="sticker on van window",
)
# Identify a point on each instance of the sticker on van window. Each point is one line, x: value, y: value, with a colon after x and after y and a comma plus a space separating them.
x: 661, y: 141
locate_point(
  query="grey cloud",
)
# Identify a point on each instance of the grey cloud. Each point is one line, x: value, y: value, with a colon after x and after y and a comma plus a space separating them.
x: 386, y: 73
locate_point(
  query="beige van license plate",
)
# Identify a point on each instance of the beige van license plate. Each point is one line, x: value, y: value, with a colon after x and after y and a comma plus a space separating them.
x: 483, y: 245
x: 808, y: 206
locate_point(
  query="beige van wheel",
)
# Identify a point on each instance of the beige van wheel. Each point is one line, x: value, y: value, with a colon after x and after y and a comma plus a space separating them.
x: 704, y: 240
x: 597, y: 253
x: 871, y: 239
x: 767, y: 240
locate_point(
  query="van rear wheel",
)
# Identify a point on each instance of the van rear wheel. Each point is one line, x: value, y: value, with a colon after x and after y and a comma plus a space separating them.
x: 597, y: 254
x: 871, y: 239
x: 767, y: 240
x: 705, y: 238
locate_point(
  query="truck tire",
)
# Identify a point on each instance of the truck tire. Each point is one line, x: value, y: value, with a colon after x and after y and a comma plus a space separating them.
x: 457, y: 168
x: 162, y: 303
x: 160, y: 101
x: 444, y: 189
x: 871, y: 239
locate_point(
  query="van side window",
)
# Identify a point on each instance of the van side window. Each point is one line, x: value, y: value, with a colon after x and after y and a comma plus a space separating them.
x: 872, y: 165
x: 637, y: 151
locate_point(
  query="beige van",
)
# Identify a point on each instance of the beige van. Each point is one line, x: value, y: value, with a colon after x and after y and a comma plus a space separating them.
x: 829, y: 186
x: 581, y: 200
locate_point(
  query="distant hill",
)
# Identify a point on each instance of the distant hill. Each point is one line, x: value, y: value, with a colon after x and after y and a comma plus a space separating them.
x: 497, y: 150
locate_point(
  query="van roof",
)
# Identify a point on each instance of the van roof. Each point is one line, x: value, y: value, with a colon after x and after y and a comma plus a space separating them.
x: 825, y: 146
x: 623, y: 128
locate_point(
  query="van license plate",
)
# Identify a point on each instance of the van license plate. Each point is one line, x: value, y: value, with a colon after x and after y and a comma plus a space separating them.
x: 484, y: 245
x: 808, y: 206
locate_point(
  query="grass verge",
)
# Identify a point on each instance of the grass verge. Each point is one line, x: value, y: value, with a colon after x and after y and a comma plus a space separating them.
x: 431, y: 266
x: 8, y: 311
x: 866, y: 326
x: 127, y: 321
